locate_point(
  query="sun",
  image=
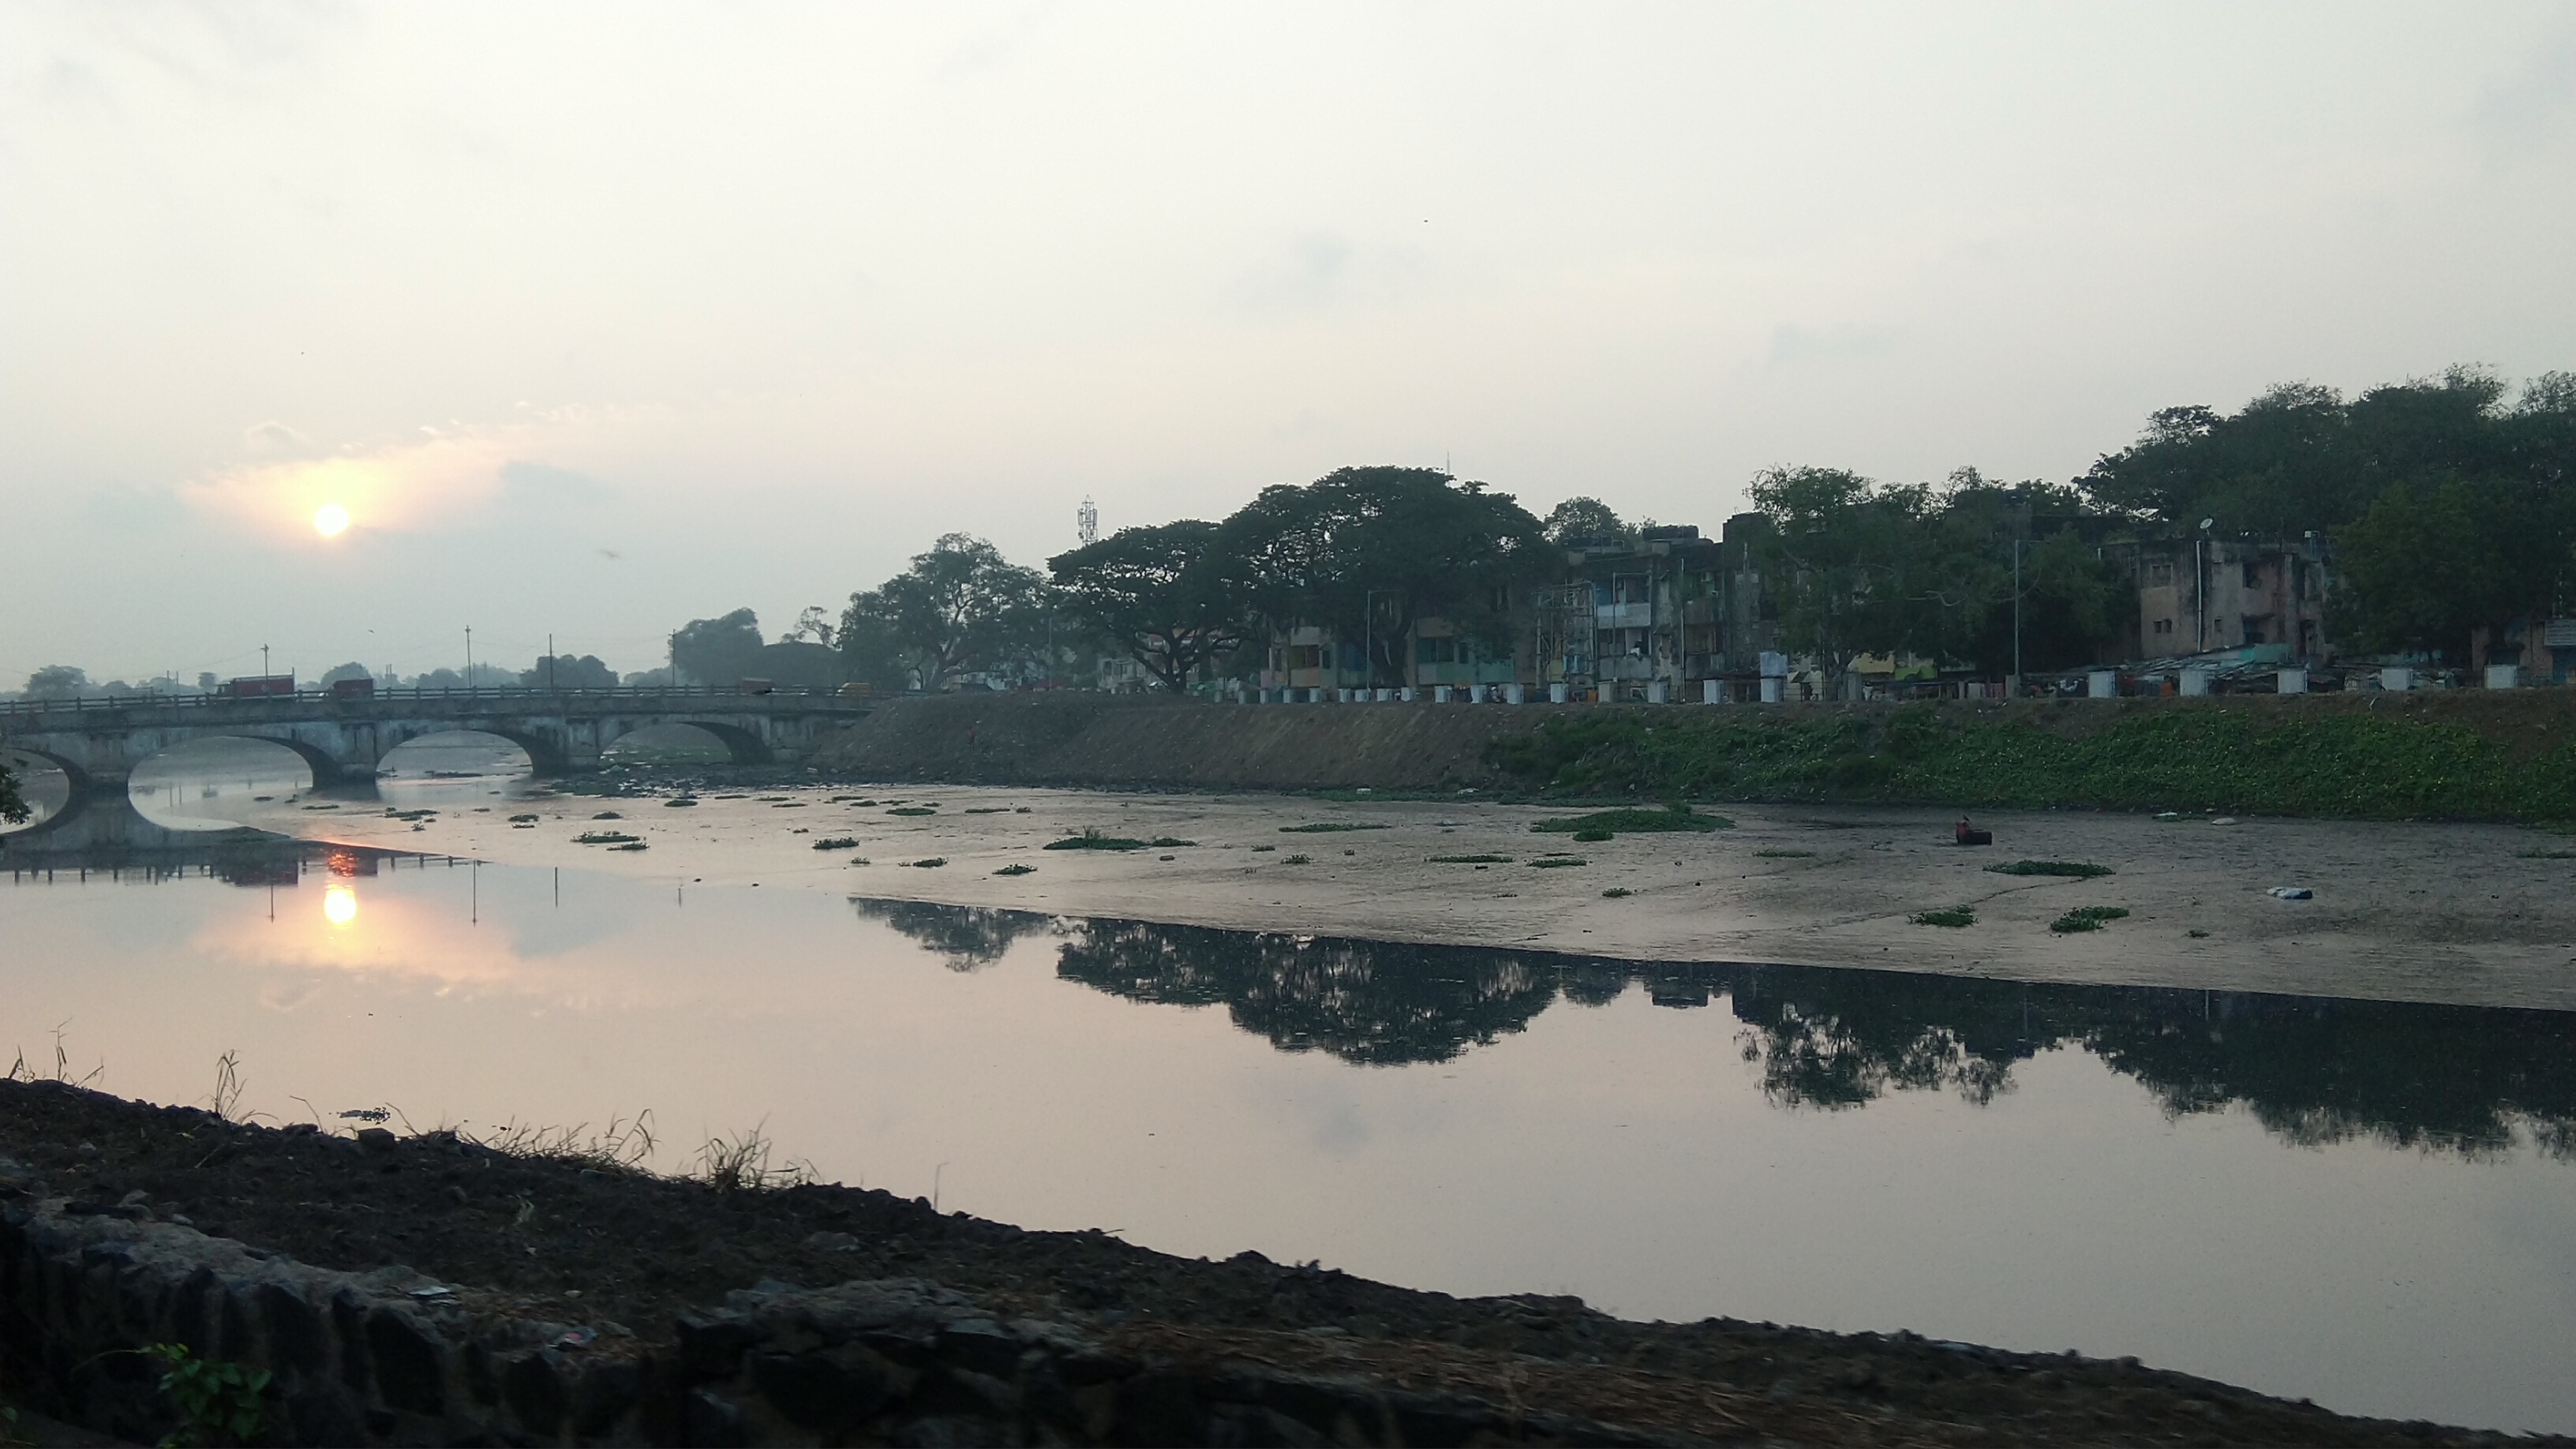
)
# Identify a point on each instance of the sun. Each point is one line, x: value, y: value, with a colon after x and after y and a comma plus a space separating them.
x: 340, y: 905
x: 330, y: 519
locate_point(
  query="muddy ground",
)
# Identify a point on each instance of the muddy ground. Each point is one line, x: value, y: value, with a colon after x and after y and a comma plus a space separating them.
x: 590, y: 1242
x: 2461, y: 914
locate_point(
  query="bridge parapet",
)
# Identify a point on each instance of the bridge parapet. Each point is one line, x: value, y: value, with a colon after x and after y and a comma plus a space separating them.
x: 560, y: 729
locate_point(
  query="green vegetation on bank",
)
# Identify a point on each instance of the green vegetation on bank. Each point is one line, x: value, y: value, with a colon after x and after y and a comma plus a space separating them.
x: 1602, y: 824
x: 2349, y: 763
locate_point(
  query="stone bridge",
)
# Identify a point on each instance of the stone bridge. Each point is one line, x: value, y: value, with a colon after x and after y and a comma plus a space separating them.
x: 100, y: 742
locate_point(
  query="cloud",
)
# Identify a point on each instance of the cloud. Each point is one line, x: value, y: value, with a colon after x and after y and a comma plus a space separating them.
x: 274, y: 437
x: 444, y: 480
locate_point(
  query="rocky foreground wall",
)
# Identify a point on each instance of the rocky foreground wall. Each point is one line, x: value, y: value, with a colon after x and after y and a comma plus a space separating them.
x: 387, y: 1357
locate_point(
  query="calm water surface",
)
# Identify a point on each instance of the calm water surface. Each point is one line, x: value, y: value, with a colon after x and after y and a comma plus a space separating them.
x: 2370, y: 1205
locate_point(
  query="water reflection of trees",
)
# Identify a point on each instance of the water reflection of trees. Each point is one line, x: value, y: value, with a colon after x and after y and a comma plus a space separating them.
x: 966, y: 937
x: 2312, y: 1070
x: 1362, y: 1001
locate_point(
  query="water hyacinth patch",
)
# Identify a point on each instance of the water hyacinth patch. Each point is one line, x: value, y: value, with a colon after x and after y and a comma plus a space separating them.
x: 2072, y: 869
x: 2086, y: 918
x: 1602, y: 824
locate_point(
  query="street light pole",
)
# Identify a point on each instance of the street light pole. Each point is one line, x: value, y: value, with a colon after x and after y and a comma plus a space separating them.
x: 469, y: 656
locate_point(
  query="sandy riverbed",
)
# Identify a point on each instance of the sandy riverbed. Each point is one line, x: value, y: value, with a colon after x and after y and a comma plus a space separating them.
x: 2410, y: 912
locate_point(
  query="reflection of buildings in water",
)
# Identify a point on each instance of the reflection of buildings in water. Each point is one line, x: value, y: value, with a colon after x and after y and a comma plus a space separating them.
x: 2467, y: 1080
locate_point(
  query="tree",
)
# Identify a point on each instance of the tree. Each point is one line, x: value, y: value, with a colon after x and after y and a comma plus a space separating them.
x: 350, y: 670
x: 1581, y: 518
x: 1851, y: 564
x: 719, y: 650
x: 13, y: 802
x: 57, y: 681
x: 815, y: 624
x: 959, y: 609
x: 566, y: 671
x: 2436, y: 561
x: 1158, y: 593
x: 1366, y: 552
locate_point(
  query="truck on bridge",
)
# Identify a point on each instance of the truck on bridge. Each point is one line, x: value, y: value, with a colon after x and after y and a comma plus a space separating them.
x: 256, y: 686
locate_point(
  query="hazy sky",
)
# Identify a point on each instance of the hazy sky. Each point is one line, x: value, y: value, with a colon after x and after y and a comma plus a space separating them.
x: 599, y: 318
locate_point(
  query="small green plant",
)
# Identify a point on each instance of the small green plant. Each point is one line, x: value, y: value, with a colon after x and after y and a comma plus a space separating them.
x: 1296, y: 860
x: 1458, y: 859
x: 2197, y: 934
x: 2075, y: 869
x: 914, y: 810
x: 741, y: 1164
x: 523, y: 819
x: 836, y: 842
x: 1616, y: 893
x: 1092, y: 839
x: 2086, y: 918
x: 227, y: 1097
x: 1167, y: 842
x: 2544, y: 853
x: 1330, y: 827
x: 1591, y: 837
x: 1016, y: 869
x: 630, y: 845
x: 1954, y: 917
x: 988, y: 809
x: 1633, y: 821
x: 1263, y: 849
x: 860, y: 860
x: 930, y: 863
x: 676, y: 802
x: 217, y: 1402
x: 602, y: 837
x: 1786, y: 854
x: 1557, y: 862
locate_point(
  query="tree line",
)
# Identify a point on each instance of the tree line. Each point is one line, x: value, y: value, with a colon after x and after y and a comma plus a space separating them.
x: 2449, y: 503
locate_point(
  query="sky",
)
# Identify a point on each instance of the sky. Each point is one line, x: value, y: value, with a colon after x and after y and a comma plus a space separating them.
x: 598, y: 318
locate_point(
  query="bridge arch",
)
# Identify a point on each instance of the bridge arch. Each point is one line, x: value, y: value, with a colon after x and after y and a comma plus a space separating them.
x: 748, y: 748
x: 73, y: 803
x: 546, y: 756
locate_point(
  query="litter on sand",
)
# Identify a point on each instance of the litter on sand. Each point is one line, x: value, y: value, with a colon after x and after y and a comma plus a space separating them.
x: 2293, y: 893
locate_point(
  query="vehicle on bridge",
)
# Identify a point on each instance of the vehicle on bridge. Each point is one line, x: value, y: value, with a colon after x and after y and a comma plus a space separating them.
x: 257, y: 686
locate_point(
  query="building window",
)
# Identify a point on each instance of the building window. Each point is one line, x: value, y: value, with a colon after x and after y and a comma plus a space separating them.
x: 2160, y: 574
x: 2164, y: 626
x: 2253, y: 629
x: 1305, y: 656
x: 2254, y: 575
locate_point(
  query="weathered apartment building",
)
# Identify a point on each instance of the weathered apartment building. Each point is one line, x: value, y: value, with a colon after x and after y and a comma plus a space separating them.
x: 1659, y: 615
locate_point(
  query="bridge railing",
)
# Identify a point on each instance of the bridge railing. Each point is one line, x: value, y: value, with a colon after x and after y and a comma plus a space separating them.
x: 494, y: 693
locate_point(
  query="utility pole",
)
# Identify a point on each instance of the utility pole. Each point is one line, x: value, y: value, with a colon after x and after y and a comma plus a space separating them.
x: 550, y: 660
x: 263, y: 661
x: 469, y: 656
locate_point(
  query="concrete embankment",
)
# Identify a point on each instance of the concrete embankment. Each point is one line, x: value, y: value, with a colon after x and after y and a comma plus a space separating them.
x: 2466, y: 754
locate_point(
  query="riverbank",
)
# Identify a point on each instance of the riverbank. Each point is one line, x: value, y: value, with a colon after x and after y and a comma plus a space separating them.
x: 2469, y: 754
x: 423, y: 1288
x: 2462, y: 914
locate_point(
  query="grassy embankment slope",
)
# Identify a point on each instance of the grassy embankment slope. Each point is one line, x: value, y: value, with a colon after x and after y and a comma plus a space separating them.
x: 2468, y: 755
